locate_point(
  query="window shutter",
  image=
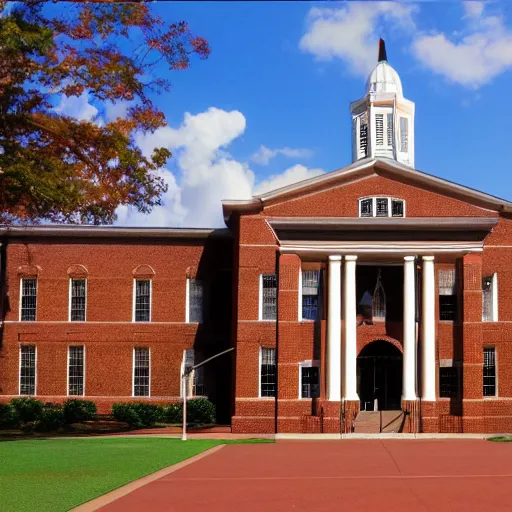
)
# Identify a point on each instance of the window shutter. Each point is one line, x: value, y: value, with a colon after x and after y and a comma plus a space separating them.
x: 363, y: 134
x: 390, y: 130
x: 379, y: 129
x: 447, y: 282
x: 404, y: 134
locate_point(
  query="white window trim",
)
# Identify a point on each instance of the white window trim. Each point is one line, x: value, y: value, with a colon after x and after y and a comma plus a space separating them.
x: 497, y: 394
x: 259, y: 374
x: 495, y: 311
x: 187, y: 299
x: 67, y: 372
x: 135, y: 296
x: 310, y: 363
x: 35, y: 370
x: 21, y: 296
x: 299, y: 316
x: 374, y: 206
x: 71, y: 279
x: 133, y: 373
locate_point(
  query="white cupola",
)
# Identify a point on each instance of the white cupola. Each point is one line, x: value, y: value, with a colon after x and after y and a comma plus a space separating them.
x: 383, y: 120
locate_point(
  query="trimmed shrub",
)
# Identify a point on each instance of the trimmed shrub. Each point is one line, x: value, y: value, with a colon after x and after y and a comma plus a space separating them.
x: 174, y: 413
x: 138, y: 414
x: 76, y: 410
x: 7, y: 416
x: 52, y: 418
x: 200, y: 411
x: 27, y: 409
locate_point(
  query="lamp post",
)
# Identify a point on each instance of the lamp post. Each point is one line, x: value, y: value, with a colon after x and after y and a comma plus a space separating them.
x: 184, y: 377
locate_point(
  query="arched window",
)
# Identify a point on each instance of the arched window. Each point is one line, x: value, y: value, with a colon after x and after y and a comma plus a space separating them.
x: 379, y: 301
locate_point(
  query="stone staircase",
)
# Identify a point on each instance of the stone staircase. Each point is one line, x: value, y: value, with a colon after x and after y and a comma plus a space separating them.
x: 375, y: 422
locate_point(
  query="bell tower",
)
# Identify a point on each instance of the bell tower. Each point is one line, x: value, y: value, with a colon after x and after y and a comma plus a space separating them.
x: 383, y: 120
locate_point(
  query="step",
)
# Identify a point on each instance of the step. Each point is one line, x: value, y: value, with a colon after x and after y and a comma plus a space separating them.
x: 371, y: 422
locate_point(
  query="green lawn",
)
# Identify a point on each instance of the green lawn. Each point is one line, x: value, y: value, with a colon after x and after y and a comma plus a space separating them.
x: 56, y: 475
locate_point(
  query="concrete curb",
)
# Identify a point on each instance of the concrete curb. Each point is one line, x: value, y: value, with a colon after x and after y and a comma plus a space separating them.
x: 327, y: 437
x: 109, y: 497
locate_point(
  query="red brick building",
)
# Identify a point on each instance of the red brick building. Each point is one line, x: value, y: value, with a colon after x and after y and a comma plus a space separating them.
x: 373, y: 287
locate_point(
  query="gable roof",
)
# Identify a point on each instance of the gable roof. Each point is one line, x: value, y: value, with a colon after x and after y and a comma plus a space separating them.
x: 364, y: 168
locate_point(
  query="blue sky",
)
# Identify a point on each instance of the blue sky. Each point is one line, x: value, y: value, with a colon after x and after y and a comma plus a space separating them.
x: 282, y: 74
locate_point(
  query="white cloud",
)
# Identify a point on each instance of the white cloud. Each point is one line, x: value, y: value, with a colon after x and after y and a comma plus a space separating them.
x: 483, y: 52
x: 203, y: 172
x: 292, y: 175
x: 351, y: 32
x: 77, y: 106
x: 264, y: 154
x: 473, y: 9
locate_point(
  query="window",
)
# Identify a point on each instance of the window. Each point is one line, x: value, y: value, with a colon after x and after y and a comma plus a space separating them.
x: 379, y: 300
x: 404, y: 135
x: 311, y: 295
x: 195, y: 301
x: 490, y: 298
x: 268, y: 372
x: 366, y: 208
x: 76, y: 370
x: 397, y: 208
x: 77, y: 300
x: 381, y: 207
x: 363, y: 135
x: 28, y: 300
x: 141, y: 371
x: 142, y: 311
x: 27, y: 370
x: 490, y: 371
x: 447, y: 295
x: 309, y: 380
x: 449, y: 382
x: 268, y: 299
x: 196, y: 382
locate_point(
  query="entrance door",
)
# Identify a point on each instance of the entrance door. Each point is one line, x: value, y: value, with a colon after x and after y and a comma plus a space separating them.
x: 379, y: 377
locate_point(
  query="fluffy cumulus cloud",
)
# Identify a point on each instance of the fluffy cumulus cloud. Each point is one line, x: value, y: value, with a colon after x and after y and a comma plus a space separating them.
x: 472, y: 56
x: 480, y: 53
x: 264, y: 154
x: 77, y: 106
x: 202, y: 172
x: 350, y: 32
x: 292, y: 175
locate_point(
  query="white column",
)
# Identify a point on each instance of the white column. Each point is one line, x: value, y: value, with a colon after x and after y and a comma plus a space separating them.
x: 350, y: 341
x: 409, y: 341
x: 334, y: 330
x: 428, y: 331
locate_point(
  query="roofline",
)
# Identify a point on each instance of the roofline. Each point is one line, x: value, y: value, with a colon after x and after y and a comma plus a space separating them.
x: 82, y: 231
x: 462, y: 192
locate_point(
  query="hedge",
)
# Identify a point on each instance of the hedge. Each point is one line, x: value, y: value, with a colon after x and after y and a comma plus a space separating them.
x: 27, y: 409
x: 200, y: 411
x: 76, y: 410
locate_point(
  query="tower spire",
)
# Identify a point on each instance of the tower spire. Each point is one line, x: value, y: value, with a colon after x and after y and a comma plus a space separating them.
x: 382, y: 51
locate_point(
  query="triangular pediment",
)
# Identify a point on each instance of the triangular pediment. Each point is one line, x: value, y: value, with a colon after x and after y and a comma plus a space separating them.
x: 390, y: 171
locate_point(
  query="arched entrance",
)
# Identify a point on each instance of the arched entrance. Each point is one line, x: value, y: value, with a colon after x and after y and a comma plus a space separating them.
x: 379, y: 377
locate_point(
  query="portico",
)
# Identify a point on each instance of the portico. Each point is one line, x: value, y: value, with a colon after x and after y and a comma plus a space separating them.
x: 347, y: 247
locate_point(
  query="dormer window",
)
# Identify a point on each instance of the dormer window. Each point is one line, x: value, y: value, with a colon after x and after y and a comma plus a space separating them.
x: 381, y: 207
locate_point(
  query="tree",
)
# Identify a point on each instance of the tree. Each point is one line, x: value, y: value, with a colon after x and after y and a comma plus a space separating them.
x: 58, y: 168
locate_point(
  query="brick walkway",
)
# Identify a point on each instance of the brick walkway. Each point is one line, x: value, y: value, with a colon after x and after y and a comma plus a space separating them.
x: 384, y: 475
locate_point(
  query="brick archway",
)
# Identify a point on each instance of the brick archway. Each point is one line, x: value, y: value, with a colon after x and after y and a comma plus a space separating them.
x: 365, y: 342
x: 379, y: 374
